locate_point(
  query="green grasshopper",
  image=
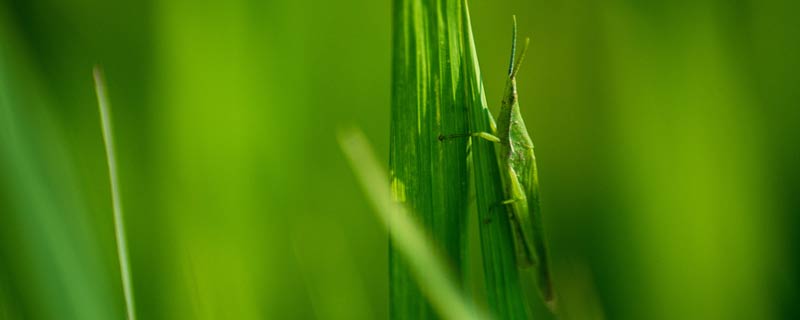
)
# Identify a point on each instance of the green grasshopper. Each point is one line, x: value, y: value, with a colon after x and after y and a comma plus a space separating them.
x: 520, y: 179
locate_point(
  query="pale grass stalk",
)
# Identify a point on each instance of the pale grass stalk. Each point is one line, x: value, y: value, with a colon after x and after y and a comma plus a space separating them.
x: 119, y: 225
x: 407, y: 236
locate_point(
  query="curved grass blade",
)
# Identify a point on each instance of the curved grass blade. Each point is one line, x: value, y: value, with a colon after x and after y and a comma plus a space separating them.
x: 119, y: 225
x: 407, y: 236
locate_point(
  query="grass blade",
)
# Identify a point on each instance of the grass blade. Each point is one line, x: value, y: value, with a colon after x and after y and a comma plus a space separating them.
x: 406, y: 235
x: 507, y: 298
x: 119, y: 224
x: 430, y: 176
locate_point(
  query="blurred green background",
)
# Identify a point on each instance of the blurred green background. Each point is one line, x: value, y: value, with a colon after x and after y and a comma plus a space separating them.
x: 667, y: 134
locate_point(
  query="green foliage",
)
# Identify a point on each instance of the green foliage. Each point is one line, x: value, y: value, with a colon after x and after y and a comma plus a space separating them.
x: 50, y: 267
x: 666, y: 135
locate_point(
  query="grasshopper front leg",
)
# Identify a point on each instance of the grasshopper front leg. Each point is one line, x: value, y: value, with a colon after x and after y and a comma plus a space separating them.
x: 483, y: 135
x: 506, y: 202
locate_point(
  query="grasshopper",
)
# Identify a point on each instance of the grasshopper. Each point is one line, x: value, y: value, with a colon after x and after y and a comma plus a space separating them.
x: 520, y: 179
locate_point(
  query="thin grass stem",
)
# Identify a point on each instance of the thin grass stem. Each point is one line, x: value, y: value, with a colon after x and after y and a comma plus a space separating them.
x: 119, y: 224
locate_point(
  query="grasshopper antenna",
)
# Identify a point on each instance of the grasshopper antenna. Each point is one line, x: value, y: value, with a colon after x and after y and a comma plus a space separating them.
x: 521, y: 58
x: 513, y: 46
